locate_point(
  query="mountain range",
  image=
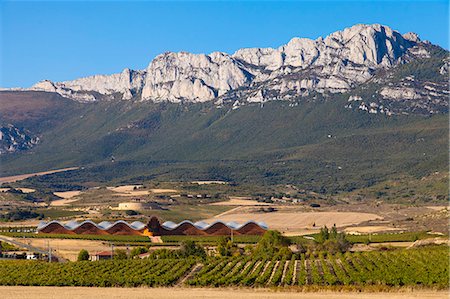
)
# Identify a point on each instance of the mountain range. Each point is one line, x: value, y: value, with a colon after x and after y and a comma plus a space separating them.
x: 366, y: 99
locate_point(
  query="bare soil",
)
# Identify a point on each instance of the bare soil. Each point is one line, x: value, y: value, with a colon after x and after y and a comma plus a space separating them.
x: 237, y: 201
x: 21, y: 292
x: 67, y: 194
x: 68, y: 248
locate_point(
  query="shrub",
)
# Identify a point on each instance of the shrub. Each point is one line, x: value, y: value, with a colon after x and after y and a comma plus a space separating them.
x: 83, y: 255
x: 120, y: 254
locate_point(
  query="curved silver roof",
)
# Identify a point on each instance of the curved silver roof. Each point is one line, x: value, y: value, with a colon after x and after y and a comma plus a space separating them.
x: 169, y: 225
x: 137, y: 225
x: 104, y: 225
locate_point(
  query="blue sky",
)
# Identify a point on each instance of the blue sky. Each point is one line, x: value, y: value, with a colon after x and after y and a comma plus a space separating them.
x: 62, y: 40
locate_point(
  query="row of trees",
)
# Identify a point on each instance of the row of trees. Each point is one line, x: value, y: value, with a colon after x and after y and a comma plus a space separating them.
x: 187, y: 249
x: 272, y: 243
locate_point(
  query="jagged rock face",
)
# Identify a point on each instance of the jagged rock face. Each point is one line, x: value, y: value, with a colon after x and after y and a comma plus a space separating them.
x: 14, y: 139
x: 186, y: 76
x: 333, y: 64
x: 127, y: 83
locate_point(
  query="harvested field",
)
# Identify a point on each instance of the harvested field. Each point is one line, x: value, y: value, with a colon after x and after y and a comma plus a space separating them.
x: 133, y: 193
x: 62, y: 202
x: 15, y: 178
x: 21, y: 292
x: 293, y: 221
x: 67, y: 194
x: 163, y: 190
x: 240, y: 201
x: 125, y: 188
x: 137, y: 190
x: 67, y: 248
x: 26, y: 190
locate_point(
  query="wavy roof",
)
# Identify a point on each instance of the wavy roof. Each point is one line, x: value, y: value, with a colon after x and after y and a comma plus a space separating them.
x: 104, y: 225
x: 169, y: 225
x: 137, y: 225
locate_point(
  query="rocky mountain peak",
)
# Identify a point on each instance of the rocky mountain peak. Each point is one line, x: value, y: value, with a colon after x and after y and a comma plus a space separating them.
x: 335, y: 63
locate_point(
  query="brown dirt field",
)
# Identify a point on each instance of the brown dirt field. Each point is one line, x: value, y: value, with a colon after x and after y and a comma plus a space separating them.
x: 163, y: 190
x: 240, y: 202
x: 128, y: 190
x: 15, y: 178
x: 122, y: 189
x: 62, y: 202
x: 437, y: 208
x: 21, y: 292
x: 26, y: 190
x: 296, y: 221
x: 133, y: 193
x: 67, y: 194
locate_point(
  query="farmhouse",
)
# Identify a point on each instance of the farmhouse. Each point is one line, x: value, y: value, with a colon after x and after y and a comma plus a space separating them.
x: 103, y: 255
x: 153, y: 228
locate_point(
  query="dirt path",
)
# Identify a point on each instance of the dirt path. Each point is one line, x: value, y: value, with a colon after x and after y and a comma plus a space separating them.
x: 227, y: 212
x: 20, y: 292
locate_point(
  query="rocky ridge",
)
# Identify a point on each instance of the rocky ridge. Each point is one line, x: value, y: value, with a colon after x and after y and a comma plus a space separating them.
x: 335, y: 64
x: 13, y: 139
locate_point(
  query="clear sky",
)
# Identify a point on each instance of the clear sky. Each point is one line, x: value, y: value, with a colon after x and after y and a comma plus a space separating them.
x: 62, y: 40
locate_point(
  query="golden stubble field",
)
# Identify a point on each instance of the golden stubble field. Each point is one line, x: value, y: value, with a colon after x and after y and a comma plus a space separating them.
x: 69, y: 248
x: 297, y: 221
x: 21, y: 292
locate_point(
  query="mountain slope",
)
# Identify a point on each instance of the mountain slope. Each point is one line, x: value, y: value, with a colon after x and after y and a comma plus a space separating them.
x: 357, y: 108
x: 319, y: 146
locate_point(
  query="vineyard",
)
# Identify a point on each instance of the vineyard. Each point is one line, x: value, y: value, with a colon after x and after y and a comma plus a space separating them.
x: 121, y: 273
x: 108, y: 238
x: 242, y: 239
x: 426, y: 267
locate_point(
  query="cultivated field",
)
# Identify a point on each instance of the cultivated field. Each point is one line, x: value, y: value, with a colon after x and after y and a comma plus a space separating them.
x: 15, y: 178
x: 21, y: 292
x: 240, y: 201
x: 137, y: 190
x: 67, y: 194
x: 380, y: 270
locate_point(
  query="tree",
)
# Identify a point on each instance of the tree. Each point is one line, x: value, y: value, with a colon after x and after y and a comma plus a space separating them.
x: 137, y: 251
x: 83, y: 255
x: 189, y: 248
x: 120, y: 254
x: 333, y: 232
x: 226, y: 247
x: 324, y: 234
x: 271, y: 243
